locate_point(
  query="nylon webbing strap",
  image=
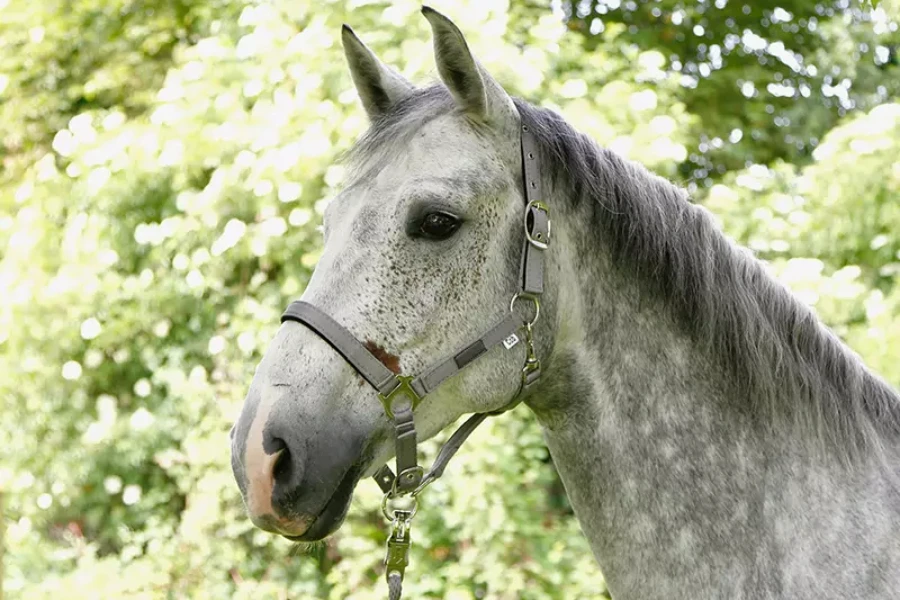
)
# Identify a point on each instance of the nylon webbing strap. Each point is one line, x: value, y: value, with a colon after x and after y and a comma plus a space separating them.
x: 432, y: 378
x: 453, y: 445
x: 537, y: 219
x: 365, y: 363
x: 384, y: 380
x: 501, y: 332
x: 384, y: 477
x: 408, y: 471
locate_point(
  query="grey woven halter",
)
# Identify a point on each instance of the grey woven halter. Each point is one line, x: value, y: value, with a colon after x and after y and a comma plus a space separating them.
x: 400, y: 394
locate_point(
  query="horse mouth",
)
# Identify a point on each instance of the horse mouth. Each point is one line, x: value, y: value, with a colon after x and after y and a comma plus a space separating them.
x: 333, y: 513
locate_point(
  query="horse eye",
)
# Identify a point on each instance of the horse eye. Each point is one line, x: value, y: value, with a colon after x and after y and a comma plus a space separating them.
x: 439, y: 225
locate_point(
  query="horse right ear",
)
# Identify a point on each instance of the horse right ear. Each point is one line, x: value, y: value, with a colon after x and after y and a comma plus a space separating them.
x: 378, y: 86
x: 473, y: 88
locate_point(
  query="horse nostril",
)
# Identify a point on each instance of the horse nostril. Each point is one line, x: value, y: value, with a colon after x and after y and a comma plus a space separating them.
x: 282, y: 469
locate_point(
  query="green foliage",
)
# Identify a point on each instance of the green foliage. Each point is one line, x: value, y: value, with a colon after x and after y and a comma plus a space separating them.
x: 164, y: 173
x: 61, y: 58
x: 829, y: 230
x: 768, y: 78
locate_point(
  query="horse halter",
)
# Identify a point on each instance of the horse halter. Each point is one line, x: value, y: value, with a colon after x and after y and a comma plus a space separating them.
x: 400, y: 394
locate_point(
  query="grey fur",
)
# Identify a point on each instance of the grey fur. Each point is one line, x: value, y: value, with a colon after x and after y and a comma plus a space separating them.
x: 714, y: 438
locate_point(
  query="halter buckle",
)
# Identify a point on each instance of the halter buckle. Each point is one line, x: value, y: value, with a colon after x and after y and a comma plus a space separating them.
x: 404, y: 387
x: 540, y: 240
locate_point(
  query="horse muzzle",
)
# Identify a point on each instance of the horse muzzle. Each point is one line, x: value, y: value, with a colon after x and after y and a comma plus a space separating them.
x: 296, y: 473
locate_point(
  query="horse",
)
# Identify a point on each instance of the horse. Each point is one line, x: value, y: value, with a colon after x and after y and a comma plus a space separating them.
x: 712, y: 435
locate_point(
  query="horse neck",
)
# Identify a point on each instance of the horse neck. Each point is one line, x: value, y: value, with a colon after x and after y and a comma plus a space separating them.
x: 677, y: 484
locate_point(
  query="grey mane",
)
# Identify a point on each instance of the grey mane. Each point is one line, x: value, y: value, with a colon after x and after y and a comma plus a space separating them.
x: 784, y: 359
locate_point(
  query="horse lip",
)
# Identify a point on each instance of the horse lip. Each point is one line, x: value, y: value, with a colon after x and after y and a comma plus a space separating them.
x: 332, y: 514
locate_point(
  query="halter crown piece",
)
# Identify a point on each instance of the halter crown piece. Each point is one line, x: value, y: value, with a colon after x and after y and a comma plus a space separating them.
x: 400, y: 394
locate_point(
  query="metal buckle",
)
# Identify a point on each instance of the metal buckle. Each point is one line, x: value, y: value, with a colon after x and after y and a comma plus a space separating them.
x: 404, y: 387
x: 537, y: 241
x: 396, y: 558
x: 531, y: 371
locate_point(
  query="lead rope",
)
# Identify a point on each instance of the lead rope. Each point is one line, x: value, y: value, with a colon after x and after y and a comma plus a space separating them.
x: 395, y: 586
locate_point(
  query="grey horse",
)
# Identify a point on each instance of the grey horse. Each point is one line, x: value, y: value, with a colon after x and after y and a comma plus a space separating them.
x: 714, y: 437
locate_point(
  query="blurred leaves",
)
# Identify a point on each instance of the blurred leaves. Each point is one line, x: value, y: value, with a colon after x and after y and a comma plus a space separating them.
x: 164, y: 170
x: 767, y: 79
x: 829, y: 230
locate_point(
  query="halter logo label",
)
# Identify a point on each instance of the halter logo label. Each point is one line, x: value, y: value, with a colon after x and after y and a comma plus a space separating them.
x: 511, y: 341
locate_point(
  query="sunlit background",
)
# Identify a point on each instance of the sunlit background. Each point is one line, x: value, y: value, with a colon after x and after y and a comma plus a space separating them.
x: 164, y: 170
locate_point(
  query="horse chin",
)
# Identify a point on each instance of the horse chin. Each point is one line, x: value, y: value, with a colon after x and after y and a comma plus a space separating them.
x: 332, y: 515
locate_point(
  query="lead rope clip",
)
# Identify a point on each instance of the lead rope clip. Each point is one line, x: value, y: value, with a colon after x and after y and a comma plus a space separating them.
x: 532, y: 368
x: 396, y: 557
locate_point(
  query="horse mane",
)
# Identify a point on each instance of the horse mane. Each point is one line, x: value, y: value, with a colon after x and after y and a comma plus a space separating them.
x: 772, y: 344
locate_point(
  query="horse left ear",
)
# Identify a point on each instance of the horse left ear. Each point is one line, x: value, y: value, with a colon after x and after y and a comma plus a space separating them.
x: 379, y: 87
x: 479, y: 94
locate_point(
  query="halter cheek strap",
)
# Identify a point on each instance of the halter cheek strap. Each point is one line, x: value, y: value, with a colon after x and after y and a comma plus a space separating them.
x: 401, y: 394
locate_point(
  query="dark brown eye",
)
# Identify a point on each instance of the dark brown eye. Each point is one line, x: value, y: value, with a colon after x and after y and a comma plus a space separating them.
x: 439, y: 225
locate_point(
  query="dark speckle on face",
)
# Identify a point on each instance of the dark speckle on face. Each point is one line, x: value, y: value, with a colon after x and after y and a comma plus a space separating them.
x: 391, y: 361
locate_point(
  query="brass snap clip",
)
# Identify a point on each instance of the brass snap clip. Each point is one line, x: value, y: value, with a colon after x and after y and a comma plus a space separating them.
x: 400, y: 510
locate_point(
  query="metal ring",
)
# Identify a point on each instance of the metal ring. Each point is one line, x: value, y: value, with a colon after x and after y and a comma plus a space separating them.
x: 527, y: 296
x: 414, y: 508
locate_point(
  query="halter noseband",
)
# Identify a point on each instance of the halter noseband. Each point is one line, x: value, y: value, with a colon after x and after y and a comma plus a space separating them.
x: 400, y: 394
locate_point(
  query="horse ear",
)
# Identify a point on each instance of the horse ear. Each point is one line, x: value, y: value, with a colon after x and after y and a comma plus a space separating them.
x: 378, y: 86
x: 471, y: 85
